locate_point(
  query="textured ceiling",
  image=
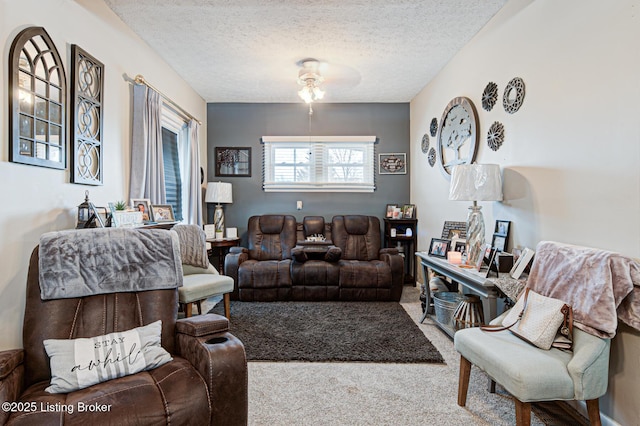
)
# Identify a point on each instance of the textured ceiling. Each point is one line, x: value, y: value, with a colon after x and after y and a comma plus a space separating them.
x: 249, y: 51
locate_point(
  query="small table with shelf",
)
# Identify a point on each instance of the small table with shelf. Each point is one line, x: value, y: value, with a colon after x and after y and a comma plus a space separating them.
x: 477, y: 282
x: 406, y: 242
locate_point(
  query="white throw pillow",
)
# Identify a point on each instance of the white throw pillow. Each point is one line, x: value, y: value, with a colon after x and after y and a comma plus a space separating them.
x: 80, y: 363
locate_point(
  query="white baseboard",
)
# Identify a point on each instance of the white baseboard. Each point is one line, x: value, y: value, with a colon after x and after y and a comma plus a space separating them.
x: 581, y: 407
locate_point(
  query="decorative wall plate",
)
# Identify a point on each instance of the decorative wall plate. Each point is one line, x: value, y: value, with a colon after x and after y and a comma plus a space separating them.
x: 432, y: 157
x: 458, y: 135
x: 489, y: 96
x: 434, y: 127
x: 425, y: 143
x: 495, y: 136
x: 513, y: 95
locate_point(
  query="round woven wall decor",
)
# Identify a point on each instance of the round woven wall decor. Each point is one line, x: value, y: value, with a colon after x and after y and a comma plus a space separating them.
x: 425, y: 143
x: 432, y: 157
x: 513, y: 95
x: 434, y: 127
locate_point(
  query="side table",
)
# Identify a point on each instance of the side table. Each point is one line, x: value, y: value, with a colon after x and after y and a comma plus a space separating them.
x: 220, y: 247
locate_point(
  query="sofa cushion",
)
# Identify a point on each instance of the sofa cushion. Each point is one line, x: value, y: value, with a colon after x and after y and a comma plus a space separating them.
x: 202, y: 286
x: 171, y: 394
x: 79, y: 363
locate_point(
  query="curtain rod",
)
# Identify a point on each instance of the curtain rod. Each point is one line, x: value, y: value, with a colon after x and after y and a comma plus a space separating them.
x: 140, y: 80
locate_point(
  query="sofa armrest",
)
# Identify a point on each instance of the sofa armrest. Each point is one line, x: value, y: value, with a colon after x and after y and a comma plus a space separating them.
x: 11, y: 378
x: 396, y: 264
x: 232, y: 262
x: 220, y: 359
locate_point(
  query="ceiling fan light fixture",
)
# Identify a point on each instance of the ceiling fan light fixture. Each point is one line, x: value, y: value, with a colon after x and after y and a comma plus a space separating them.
x: 309, y: 77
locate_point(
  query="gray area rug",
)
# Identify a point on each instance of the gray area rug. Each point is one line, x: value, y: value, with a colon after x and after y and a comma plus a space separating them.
x: 380, y: 332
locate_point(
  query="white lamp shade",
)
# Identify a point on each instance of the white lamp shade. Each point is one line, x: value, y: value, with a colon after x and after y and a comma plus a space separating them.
x: 476, y: 182
x: 218, y: 192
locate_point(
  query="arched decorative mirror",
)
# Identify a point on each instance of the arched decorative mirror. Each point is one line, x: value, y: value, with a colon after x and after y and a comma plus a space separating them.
x: 37, y: 85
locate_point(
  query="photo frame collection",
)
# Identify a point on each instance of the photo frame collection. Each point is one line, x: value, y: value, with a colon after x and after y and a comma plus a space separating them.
x: 394, y: 211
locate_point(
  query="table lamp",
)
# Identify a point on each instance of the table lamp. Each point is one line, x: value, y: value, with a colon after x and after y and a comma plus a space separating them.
x: 218, y: 192
x: 475, y: 182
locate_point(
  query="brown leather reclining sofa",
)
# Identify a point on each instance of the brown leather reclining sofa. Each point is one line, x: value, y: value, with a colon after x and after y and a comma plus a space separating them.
x: 278, y: 265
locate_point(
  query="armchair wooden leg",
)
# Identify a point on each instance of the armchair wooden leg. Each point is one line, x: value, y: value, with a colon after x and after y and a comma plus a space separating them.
x: 227, y: 305
x: 463, y: 381
x: 199, y: 305
x: 523, y: 413
x: 188, y: 309
x: 593, y: 409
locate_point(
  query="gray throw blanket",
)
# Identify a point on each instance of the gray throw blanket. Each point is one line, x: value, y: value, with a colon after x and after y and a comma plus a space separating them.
x: 193, y: 245
x: 598, y: 284
x: 85, y: 262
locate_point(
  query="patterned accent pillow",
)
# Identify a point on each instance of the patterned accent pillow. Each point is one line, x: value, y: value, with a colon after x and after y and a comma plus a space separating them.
x: 80, y: 363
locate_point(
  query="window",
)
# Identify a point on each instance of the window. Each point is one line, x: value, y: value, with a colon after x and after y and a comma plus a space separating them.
x: 174, y: 136
x: 319, y: 163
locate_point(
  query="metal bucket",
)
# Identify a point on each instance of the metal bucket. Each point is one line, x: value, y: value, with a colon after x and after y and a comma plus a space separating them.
x: 469, y: 312
x: 445, y: 304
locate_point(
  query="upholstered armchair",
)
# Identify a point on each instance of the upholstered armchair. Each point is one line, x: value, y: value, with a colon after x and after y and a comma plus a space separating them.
x: 205, y: 382
x: 367, y: 271
x: 261, y: 271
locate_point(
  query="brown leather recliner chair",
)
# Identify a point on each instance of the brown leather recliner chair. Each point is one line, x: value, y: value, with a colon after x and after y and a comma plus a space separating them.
x: 203, y: 384
x: 367, y: 271
x: 261, y: 271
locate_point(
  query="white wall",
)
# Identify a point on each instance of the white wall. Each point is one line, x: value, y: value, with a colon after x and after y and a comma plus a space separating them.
x: 37, y: 200
x: 571, y: 155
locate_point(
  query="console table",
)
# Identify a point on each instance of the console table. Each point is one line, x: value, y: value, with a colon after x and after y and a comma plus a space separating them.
x: 220, y: 247
x: 470, y: 279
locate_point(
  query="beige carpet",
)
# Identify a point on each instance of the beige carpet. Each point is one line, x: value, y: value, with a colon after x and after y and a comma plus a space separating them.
x: 299, y: 393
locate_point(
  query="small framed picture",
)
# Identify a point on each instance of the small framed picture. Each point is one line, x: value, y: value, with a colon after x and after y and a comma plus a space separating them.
x: 142, y: 205
x: 460, y: 246
x: 233, y: 161
x: 484, y: 257
x: 392, y: 164
x: 499, y: 242
x: 162, y: 213
x: 408, y: 211
x: 502, y: 227
x: 439, y: 247
x: 390, y: 209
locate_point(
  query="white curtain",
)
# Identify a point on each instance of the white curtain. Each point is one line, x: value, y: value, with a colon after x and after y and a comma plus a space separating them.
x: 147, y: 167
x: 194, y: 193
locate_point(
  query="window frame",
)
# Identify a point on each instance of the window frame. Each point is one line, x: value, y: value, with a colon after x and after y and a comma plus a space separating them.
x: 319, y: 164
x: 175, y: 123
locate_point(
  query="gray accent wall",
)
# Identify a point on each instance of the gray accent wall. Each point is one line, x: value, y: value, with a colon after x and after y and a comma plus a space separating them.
x: 242, y: 125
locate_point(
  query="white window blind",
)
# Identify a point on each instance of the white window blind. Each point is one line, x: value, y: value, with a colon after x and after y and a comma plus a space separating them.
x: 319, y: 163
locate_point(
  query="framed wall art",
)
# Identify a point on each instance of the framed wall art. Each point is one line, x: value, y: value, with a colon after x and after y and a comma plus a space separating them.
x: 233, y: 161
x: 392, y: 164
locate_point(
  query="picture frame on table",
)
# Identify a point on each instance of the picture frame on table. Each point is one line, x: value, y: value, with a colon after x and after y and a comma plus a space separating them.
x: 162, y: 213
x: 520, y: 265
x: 502, y: 227
x: 486, y: 255
x: 143, y: 205
x: 439, y: 247
x: 460, y: 246
x: 499, y: 242
x: 389, y: 211
x: 408, y: 211
x: 99, y: 214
